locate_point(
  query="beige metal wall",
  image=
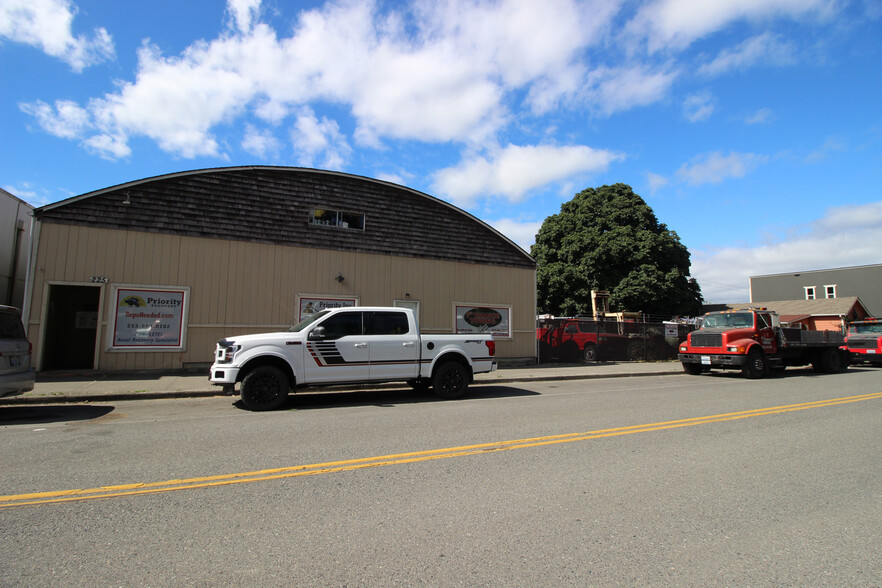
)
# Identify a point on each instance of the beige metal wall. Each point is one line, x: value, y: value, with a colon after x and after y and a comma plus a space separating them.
x: 239, y: 287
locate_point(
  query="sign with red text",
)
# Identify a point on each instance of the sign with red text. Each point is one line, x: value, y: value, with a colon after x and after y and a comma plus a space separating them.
x: 495, y: 320
x: 312, y: 304
x: 149, y: 319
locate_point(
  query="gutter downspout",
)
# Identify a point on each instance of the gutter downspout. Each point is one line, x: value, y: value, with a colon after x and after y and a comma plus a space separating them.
x: 29, y: 273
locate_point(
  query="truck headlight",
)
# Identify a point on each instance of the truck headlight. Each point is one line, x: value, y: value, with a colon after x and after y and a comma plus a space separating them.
x: 226, y: 351
x: 684, y: 349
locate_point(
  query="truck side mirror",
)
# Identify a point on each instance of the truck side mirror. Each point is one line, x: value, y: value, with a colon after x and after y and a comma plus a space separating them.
x: 317, y: 333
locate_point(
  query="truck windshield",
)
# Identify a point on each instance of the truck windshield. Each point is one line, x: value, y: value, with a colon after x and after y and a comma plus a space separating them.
x: 716, y: 320
x: 307, y: 321
x: 868, y: 328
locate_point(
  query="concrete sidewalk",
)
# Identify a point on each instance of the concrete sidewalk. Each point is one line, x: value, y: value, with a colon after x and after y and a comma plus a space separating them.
x: 96, y: 387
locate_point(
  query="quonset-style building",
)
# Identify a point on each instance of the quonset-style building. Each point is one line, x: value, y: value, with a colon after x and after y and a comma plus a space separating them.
x: 148, y: 275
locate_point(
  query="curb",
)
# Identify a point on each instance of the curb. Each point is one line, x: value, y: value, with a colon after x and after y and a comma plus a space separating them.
x: 123, y: 396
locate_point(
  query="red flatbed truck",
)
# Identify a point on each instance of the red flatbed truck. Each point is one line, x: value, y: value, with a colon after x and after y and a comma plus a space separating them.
x: 754, y: 341
x: 864, y: 341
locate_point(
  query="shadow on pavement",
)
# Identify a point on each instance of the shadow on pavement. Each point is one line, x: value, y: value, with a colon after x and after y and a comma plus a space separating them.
x: 316, y: 399
x: 52, y: 413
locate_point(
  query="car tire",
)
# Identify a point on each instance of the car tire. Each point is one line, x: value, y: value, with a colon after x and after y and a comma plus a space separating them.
x: 693, y: 369
x: 450, y: 380
x: 265, y: 388
x: 756, y: 366
x: 589, y: 353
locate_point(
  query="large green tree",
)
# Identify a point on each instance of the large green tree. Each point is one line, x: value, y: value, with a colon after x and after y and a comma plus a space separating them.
x: 608, y: 238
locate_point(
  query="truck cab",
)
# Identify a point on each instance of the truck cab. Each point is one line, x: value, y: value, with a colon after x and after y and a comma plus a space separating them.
x: 864, y: 341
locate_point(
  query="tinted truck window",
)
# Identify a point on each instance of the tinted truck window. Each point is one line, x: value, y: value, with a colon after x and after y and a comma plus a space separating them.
x: 385, y: 323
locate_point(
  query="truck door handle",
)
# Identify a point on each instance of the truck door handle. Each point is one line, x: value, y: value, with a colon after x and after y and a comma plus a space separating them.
x: 408, y: 343
x: 360, y: 345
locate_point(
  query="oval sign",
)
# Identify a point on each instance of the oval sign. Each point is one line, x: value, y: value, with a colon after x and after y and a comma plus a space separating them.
x: 482, y: 317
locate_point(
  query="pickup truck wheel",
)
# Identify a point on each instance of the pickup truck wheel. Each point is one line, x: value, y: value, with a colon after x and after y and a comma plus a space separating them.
x: 450, y: 380
x: 264, y: 388
x: 589, y: 353
x: 756, y: 366
x: 693, y: 369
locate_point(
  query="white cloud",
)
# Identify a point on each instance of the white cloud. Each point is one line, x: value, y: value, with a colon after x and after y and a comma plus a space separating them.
x: 763, y: 115
x: 713, y: 168
x: 612, y: 90
x: 33, y: 195
x: 47, y: 25
x: 67, y: 119
x: 243, y: 13
x: 313, y: 138
x: 656, y: 181
x: 698, y: 107
x: 764, y: 49
x: 675, y: 24
x: 845, y: 236
x: 261, y: 143
x: 427, y: 71
x: 523, y: 233
x: 831, y: 145
x: 515, y: 170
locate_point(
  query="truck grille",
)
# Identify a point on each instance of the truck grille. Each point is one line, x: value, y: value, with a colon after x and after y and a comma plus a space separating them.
x: 707, y: 339
x: 862, y: 343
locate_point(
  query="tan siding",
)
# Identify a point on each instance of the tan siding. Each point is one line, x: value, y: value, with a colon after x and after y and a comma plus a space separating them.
x: 253, y: 287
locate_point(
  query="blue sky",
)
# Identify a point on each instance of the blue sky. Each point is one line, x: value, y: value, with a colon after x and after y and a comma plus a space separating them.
x: 753, y: 128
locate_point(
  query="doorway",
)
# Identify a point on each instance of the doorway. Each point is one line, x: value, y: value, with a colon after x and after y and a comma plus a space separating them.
x: 71, y: 327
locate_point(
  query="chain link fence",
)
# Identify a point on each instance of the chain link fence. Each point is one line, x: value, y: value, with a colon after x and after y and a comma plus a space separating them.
x: 572, y: 340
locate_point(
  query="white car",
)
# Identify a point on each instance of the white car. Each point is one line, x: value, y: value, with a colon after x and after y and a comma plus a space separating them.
x: 16, y: 373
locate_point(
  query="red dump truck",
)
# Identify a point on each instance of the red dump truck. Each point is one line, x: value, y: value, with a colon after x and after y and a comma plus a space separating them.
x: 864, y: 341
x: 753, y: 341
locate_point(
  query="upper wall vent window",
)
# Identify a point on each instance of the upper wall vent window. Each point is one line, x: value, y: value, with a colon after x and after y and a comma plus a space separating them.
x: 809, y: 292
x: 830, y: 291
x: 337, y: 218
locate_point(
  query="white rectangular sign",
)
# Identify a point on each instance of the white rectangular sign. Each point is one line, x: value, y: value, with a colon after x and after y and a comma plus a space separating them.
x: 148, y: 318
x: 314, y: 304
x: 495, y: 320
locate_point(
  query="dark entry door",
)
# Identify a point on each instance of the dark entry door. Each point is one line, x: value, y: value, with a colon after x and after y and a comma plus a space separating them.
x: 71, y: 328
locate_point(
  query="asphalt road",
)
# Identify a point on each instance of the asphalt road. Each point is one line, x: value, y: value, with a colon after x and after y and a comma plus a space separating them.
x: 676, y: 480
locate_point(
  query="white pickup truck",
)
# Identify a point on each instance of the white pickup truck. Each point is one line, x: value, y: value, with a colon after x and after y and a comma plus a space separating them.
x: 349, y: 345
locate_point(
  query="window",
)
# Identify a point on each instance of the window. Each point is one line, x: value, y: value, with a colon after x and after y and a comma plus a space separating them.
x: 342, y: 325
x: 336, y: 218
x: 385, y: 323
x: 830, y: 291
x: 809, y: 292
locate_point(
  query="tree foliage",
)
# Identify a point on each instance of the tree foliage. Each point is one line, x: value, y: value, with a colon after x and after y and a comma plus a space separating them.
x: 608, y: 238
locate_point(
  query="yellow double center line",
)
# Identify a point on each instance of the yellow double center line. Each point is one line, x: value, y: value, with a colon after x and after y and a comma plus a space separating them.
x: 38, y: 498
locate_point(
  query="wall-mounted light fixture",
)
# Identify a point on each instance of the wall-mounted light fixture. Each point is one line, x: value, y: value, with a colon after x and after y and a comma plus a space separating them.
x: 128, y: 199
x: 339, y: 278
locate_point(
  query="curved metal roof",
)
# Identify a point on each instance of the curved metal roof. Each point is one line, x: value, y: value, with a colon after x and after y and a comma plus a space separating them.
x: 273, y: 204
